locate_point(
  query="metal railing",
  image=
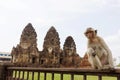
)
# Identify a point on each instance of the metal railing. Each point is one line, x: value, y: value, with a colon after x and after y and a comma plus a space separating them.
x: 29, y: 73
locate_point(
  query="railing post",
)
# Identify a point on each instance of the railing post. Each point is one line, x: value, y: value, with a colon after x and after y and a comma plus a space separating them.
x: 61, y: 76
x: 72, y: 76
x: 27, y: 75
x: 3, y: 71
x: 23, y: 75
x: 99, y: 77
x: 84, y: 77
x: 52, y: 76
x: 45, y: 76
x: 38, y: 75
x: 118, y: 77
x: 15, y: 74
x: 32, y: 75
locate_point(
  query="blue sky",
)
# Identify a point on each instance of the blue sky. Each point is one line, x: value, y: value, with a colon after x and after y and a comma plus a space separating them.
x: 69, y: 17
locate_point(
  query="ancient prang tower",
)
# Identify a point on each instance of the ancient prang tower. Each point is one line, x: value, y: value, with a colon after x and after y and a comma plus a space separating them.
x: 50, y: 55
x: 26, y: 52
x: 70, y: 57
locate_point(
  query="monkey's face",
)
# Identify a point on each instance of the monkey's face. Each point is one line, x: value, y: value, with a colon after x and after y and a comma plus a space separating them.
x: 90, y: 35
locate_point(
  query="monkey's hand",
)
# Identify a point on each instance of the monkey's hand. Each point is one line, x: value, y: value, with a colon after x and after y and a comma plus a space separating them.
x: 93, y: 54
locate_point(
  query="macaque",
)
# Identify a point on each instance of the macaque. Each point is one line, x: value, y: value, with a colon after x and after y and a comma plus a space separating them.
x: 99, y: 55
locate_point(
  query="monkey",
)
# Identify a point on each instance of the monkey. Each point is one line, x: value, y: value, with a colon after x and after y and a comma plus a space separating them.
x: 99, y: 54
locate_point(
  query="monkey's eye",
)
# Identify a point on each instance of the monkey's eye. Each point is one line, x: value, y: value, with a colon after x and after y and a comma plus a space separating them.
x: 89, y: 32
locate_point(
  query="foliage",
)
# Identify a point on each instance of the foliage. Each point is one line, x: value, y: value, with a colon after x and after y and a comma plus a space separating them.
x: 65, y: 77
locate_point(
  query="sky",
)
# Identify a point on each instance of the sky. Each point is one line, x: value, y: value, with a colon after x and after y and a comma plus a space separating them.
x: 69, y: 17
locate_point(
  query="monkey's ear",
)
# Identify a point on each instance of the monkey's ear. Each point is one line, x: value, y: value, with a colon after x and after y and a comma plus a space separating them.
x: 95, y: 31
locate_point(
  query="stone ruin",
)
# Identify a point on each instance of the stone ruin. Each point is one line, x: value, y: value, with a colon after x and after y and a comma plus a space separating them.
x: 26, y: 52
x: 70, y: 57
x: 50, y: 55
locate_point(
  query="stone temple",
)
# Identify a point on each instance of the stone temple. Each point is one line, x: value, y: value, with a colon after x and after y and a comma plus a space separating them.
x: 50, y: 55
x: 26, y: 52
x: 70, y: 57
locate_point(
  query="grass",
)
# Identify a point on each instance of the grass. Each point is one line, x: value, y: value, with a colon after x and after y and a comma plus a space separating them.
x: 57, y: 76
